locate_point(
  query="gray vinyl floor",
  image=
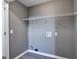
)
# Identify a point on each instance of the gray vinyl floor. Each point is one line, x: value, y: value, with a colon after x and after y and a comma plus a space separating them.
x: 34, y: 56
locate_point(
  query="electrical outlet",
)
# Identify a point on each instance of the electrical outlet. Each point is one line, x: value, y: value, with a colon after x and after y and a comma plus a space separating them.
x: 48, y: 34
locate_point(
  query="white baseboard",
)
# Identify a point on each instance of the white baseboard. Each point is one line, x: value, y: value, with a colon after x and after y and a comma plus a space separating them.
x: 48, y: 55
x: 20, y: 55
x: 40, y: 53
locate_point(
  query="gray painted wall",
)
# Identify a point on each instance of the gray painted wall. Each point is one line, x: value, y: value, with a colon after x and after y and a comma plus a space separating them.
x: 75, y: 36
x: 65, y: 40
x: 62, y: 45
x: 75, y: 5
x: 64, y: 26
x: 37, y: 35
x: 53, y: 8
x: 19, y: 39
x: 37, y: 28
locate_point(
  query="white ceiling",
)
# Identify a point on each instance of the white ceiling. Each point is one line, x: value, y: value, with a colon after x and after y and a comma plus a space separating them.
x: 30, y: 3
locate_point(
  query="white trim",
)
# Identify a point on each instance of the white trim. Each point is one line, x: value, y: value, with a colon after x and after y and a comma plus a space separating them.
x: 40, y: 53
x: 51, y: 16
x: 45, y: 54
x: 20, y: 55
x: 6, y: 29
